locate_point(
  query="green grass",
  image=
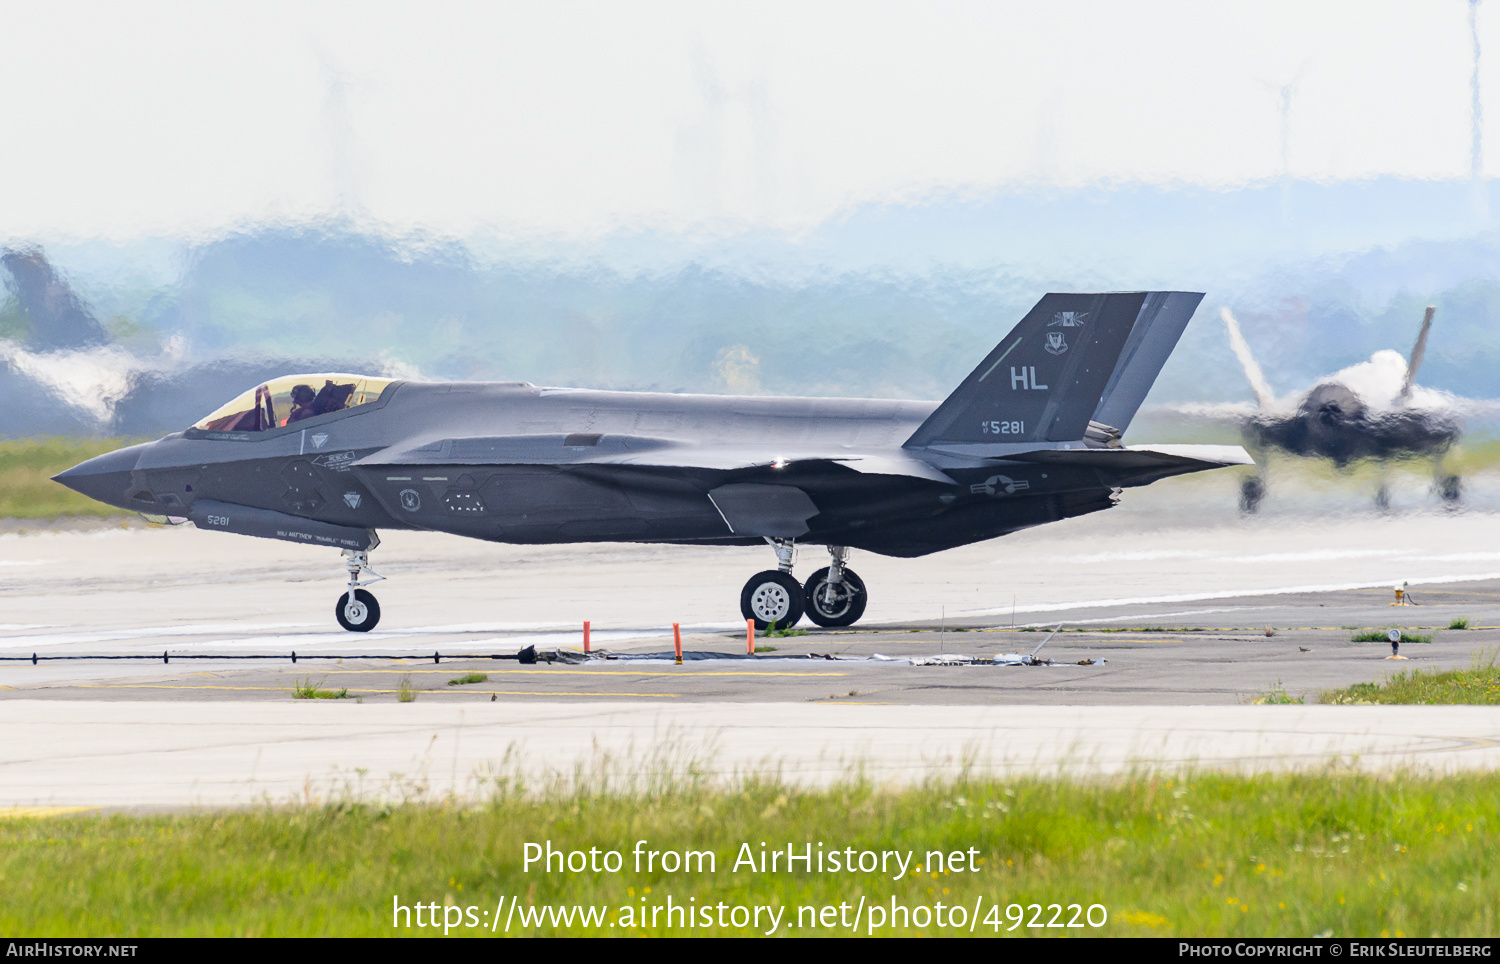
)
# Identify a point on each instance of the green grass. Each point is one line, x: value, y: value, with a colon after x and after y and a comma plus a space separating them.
x: 771, y: 632
x: 26, y: 469
x: 1278, y: 696
x: 1336, y: 853
x: 469, y: 678
x: 405, y: 692
x: 765, y: 649
x: 1459, y: 622
x: 1478, y: 685
x: 306, y: 689
x: 1379, y: 636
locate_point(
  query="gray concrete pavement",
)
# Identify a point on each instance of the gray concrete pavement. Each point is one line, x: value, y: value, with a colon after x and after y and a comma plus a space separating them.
x: 1172, y: 688
x: 185, y: 754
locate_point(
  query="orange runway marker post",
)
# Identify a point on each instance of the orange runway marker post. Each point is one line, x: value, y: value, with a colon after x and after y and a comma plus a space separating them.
x: 749, y: 637
x: 677, y: 641
x: 585, y: 636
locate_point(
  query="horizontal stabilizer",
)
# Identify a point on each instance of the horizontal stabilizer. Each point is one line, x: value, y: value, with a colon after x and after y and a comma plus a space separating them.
x: 1142, y: 456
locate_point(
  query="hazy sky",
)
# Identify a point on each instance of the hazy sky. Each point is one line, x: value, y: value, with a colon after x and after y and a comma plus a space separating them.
x: 129, y: 119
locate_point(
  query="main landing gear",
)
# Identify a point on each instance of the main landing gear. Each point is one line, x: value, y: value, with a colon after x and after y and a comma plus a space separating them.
x: 834, y: 596
x: 357, y: 610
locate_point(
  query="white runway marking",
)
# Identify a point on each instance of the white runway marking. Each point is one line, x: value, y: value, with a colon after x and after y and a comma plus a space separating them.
x: 1227, y: 592
x: 1134, y: 617
x: 112, y: 635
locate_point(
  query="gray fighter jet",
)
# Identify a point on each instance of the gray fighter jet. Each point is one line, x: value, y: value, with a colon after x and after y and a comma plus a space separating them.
x: 1031, y: 436
x: 1372, y: 410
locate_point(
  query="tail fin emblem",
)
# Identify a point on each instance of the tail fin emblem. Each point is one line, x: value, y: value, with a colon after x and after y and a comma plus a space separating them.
x: 1055, y: 343
x: 1069, y: 319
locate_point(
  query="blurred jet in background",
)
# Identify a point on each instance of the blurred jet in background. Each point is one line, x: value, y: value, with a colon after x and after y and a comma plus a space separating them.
x: 1372, y: 410
x: 64, y: 373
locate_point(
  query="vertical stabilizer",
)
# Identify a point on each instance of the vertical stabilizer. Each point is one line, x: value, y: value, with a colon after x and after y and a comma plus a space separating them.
x: 1415, y: 361
x: 1162, y: 319
x: 1044, y: 380
x: 1264, y: 397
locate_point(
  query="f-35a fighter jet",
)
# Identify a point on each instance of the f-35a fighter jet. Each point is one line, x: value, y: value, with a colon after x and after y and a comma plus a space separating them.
x: 1031, y: 436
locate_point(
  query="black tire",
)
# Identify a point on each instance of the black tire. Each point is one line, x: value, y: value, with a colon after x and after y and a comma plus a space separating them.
x: 1451, y: 488
x: 1252, y: 491
x: 847, y: 605
x: 772, y: 597
x: 365, y: 611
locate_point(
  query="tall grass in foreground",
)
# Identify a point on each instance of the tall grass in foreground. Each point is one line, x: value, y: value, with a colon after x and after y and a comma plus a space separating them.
x: 1334, y: 853
x: 26, y: 469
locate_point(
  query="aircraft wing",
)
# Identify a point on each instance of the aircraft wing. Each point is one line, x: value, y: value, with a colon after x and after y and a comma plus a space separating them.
x: 611, y: 449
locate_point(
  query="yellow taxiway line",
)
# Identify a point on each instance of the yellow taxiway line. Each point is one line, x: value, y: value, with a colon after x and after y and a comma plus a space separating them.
x: 283, y: 689
x: 23, y: 813
x: 334, y: 670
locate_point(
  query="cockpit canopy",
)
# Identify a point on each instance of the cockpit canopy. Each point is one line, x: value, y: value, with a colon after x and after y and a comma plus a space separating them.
x: 291, y: 399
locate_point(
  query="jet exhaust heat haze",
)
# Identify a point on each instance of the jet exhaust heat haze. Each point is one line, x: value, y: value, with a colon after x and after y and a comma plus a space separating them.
x: 1031, y: 436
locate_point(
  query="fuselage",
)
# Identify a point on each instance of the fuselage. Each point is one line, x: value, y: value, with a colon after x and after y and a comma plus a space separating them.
x: 511, y: 462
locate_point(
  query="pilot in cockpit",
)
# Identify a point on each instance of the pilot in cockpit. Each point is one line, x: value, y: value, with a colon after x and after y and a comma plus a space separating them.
x: 302, y: 404
x: 331, y: 398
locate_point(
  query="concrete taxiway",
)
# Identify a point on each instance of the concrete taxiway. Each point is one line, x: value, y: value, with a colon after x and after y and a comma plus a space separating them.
x: 1169, y: 613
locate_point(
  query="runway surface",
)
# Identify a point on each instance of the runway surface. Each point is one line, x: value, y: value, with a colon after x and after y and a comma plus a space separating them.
x: 122, y: 590
x: 1167, y: 611
x: 151, y: 755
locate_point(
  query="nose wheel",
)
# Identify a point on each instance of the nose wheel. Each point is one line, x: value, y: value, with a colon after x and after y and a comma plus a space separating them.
x: 356, y: 609
x: 358, y: 614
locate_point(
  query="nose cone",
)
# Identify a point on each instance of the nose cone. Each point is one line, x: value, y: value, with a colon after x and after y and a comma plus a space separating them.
x: 104, y: 477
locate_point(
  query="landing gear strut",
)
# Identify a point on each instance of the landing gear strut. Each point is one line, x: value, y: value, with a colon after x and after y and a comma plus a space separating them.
x: 356, y: 609
x: 774, y: 596
x: 834, y: 596
x: 1252, y: 491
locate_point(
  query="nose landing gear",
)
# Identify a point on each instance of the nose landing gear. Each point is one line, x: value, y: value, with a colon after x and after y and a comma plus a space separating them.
x: 356, y: 609
x: 834, y: 596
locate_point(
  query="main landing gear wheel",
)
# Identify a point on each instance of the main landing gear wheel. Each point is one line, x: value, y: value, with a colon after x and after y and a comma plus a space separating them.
x: 359, y: 615
x: 772, y: 597
x: 840, y: 604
